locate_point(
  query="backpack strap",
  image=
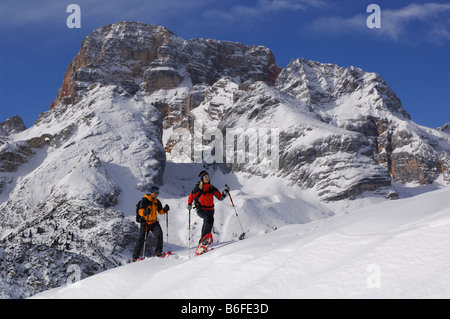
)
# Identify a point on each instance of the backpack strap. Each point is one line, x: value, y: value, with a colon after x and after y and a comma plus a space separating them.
x: 200, y: 193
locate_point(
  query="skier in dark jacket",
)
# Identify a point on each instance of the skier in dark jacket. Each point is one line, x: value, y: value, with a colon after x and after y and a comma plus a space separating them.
x: 149, y: 207
x: 202, y: 196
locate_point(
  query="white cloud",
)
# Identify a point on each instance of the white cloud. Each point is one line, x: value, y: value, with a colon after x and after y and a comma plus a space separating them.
x: 22, y: 13
x: 415, y: 22
x: 262, y: 8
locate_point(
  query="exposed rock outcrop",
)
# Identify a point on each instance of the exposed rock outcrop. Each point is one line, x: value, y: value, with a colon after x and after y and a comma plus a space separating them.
x: 136, y: 55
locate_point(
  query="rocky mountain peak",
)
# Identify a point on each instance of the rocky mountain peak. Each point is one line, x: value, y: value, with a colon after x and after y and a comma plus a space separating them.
x: 445, y: 128
x: 329, y: 86
x: 140, y: 57
x: 12, y: 125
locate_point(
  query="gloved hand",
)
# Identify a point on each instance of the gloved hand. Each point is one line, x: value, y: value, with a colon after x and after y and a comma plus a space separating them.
x: 189, y: 206
x: 147, y: 212
x: 226, y: 190
x: 166, y: 208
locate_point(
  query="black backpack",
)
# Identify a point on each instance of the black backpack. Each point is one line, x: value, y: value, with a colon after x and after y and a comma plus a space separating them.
x: 196, y: 201
x: 139, y: 218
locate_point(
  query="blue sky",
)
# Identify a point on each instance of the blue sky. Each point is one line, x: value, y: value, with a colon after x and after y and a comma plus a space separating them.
x: 411, y: 50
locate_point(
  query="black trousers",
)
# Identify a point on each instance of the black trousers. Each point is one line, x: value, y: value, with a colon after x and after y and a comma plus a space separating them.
x: 208, y: 220
x: 155, y: 228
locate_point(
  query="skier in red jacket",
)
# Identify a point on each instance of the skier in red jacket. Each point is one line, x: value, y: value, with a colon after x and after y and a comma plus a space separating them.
x: 202, y: 196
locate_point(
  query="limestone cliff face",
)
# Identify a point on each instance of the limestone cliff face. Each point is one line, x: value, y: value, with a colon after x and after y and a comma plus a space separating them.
x: 343, y: 131
x: 362, y: 102
x: 147, y: 58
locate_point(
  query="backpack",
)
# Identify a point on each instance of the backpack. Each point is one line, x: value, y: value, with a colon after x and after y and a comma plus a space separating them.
x: 139, y: 218
x: 196, y: 201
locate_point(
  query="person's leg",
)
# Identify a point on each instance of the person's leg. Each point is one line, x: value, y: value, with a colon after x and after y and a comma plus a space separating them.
x: 208, y: 221
x: 155, y: 228
x: 139, y: 242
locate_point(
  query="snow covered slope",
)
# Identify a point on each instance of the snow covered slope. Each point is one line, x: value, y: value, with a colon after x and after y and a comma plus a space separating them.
x: 389, y: 250
x: 58, y: 207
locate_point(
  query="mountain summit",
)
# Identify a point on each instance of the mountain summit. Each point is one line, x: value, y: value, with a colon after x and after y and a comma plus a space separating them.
x: 69, y: 184
x: 140, y: 57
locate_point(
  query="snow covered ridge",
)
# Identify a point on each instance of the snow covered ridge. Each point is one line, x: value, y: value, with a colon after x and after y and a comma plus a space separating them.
x: 69, y: 183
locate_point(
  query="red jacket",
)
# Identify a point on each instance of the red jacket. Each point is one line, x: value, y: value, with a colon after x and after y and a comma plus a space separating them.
x: 204, y: 194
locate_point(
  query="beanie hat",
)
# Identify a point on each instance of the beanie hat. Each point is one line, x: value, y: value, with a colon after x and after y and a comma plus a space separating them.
x: 202, y: 173
x: 154, y: 189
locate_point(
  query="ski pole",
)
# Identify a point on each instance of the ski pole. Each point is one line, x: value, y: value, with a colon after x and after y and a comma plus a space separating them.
x: 235, y: 211
x: 145, y: 241
x: 167, y: 229
x: 189, y: 239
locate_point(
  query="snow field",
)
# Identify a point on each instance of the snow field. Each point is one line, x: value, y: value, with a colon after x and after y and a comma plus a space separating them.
x: 395, y: 249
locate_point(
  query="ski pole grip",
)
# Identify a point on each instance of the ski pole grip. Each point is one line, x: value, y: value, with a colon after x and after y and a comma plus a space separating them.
x: 229, y: 195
